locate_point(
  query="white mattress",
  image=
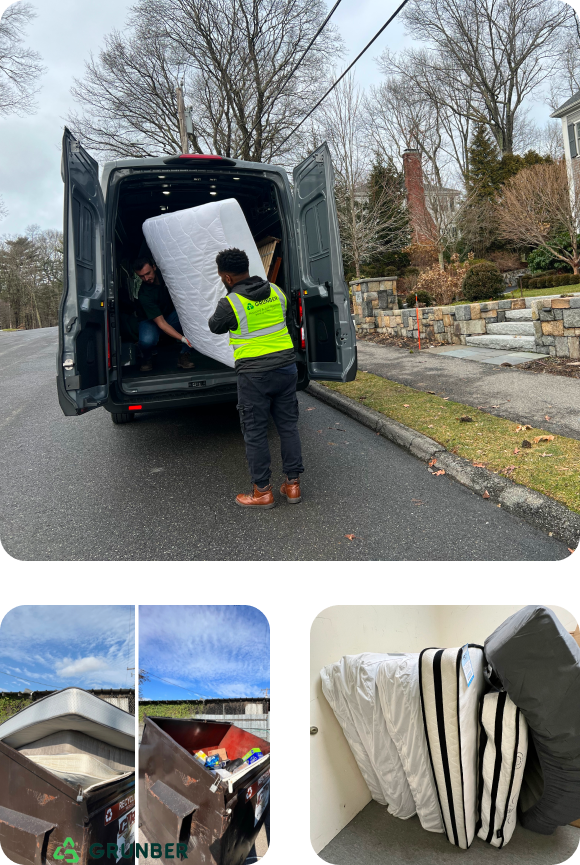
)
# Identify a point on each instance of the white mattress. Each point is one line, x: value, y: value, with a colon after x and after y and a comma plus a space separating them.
x: 451, y: 720
x: 398, y: 690
x: 503, y: 751
x: 350, y: 688
x: 70, y: 709
x: 82, y: 770
x: 184, y: 245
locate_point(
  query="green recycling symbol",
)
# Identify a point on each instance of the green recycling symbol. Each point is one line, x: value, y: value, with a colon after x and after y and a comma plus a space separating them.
x: 72, y: 853
x: 250, y: 306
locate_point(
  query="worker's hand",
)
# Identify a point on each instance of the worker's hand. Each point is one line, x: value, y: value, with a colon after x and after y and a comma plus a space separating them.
x: 186, y: 341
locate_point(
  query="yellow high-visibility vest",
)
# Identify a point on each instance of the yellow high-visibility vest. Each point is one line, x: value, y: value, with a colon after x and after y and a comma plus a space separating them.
x: 261, y: 324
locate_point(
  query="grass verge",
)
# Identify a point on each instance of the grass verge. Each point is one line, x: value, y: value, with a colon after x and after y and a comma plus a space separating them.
x: 543, y: 292
x: 550, y: 467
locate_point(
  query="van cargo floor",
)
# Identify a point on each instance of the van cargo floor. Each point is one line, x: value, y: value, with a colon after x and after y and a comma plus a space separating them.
x: 165, y: 363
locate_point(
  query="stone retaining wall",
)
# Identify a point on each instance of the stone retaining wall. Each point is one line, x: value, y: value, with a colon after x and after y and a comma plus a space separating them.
x: 557, y: 326
x: 376, y: 310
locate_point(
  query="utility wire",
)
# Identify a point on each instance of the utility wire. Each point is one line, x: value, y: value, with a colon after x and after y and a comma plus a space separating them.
x: 28, y: 681
x: 292, y: 71
x: 346, y: 71
x: 203, y: 696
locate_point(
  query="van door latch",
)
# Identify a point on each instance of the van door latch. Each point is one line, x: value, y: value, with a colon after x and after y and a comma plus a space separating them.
x: 68, y: 328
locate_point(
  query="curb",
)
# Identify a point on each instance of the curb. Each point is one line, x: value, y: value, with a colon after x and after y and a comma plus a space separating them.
x: 531, y: 506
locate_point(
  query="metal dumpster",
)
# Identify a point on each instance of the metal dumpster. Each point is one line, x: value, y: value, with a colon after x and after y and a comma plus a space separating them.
x: 183, y: 802
x: 66, y: 782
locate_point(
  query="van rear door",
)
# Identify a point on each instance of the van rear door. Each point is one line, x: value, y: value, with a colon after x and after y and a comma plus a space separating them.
x: 329, y: 328
x: 82, y: 366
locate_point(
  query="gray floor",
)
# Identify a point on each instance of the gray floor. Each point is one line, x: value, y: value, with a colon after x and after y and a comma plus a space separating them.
x: 374, y: 837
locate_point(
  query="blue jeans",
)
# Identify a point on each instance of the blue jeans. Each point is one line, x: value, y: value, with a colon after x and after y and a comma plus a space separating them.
x: 149, y: 334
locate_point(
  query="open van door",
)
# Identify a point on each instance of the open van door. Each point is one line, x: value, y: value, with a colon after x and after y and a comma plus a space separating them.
x: 328, y: 325
x: 82, y: 366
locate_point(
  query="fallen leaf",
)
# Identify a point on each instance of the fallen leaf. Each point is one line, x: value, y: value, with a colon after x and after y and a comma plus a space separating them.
x: 543, y: 439
x: 520, y: 426
x: 547, y: 417
x: 445, y: 397
x: 546, y: 455
x: 417, y: 501
x: 509, y: 469
x: 431, y: 426
x: 430, y: 391
x: 516, y: 450
x: 497, y: 406
x: 479, y: 465
x: 440, y: 472
x: 570, y: 550
x: 313, y: 408
x: 526, y: 444
x: 351, y: 537
x: 406, y: 405
x: 505, y: 364
x: 465, y: 418
x: 485, y: 495
x: 318, y: 430
x: 575, y: 363
x: 332, y: 443
x: 432, y: 462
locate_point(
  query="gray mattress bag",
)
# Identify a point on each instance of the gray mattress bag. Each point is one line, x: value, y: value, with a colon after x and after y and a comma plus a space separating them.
x: 538, y: 663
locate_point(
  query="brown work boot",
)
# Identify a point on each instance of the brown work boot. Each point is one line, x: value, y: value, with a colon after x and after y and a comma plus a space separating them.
x: 185, y: 361
x: 258, y: 499
x: 146, y: 366
x: 291, y: 491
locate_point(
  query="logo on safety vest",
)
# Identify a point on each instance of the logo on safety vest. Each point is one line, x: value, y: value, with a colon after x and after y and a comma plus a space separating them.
x: 249, y: 306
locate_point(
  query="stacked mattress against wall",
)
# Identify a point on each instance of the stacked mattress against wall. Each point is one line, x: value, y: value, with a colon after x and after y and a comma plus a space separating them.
x: 184, y: 245
x: 451, y: 684
x: 537, y: 662
x: 350, y: 687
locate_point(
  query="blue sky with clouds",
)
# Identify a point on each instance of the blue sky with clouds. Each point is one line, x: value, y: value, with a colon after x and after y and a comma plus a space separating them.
x: 204, y: 651
x: 53, y: 647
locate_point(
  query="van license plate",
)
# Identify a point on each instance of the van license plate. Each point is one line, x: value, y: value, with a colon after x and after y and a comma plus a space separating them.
x: 196, y: 384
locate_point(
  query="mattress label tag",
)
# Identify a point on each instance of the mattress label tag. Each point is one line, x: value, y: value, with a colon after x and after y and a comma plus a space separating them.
x: 466, y: 664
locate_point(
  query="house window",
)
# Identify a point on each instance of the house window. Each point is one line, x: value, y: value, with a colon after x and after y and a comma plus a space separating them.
x: 574, y: 138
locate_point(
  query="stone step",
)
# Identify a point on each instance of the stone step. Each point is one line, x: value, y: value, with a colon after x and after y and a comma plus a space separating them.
x: 512, y: 328
x: 509, y: 343
x: 518, y: 315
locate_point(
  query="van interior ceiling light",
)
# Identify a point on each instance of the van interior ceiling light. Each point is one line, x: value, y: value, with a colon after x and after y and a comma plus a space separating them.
x: 213, y: 193
x: 161, y: 176
x: 166, y: 192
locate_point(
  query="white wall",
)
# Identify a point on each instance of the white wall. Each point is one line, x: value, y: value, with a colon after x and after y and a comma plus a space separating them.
x: 337, y: 789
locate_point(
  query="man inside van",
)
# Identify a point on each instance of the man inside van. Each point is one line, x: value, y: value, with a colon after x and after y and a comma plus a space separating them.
x: 157, y: 314
x: 254, y: 313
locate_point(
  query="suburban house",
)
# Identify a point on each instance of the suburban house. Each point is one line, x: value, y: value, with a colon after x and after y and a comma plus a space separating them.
x: 432, y: 209
x: 569, y: 114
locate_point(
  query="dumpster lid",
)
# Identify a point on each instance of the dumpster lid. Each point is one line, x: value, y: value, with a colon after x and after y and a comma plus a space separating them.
x: 70, y: 709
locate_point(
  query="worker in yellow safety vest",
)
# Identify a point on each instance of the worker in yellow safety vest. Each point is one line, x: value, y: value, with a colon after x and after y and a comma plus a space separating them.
x: 254, y: 314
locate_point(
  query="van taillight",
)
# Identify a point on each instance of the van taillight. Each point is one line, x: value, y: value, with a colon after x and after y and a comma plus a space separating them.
x: 109, y: 362
x: 135, y: 407
x: 301, y: 323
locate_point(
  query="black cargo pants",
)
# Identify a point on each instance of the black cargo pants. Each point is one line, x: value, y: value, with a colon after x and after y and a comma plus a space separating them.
x: 259, y: 395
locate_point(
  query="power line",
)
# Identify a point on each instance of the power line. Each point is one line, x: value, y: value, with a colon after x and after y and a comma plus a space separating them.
x: 167, y: 682
x: 346, y: 71
x: 28, y: 681
x: 292, y: 71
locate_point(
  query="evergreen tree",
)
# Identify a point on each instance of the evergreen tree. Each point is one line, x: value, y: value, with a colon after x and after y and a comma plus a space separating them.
x: 387, y: 196
x: 484, y: 163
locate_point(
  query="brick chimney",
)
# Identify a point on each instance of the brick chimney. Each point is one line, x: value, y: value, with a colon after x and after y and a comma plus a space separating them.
x: 421, y: 220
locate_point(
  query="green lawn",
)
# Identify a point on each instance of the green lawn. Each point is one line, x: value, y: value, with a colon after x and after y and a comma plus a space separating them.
x: 551, y: 467
x: 544, y: 292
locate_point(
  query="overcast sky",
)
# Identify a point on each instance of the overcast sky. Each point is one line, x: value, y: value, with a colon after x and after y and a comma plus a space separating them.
x: 204, y: 651
x: 54, y: 647
x: 64, y: 33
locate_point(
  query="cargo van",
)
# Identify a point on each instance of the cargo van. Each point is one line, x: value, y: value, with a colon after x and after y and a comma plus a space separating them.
x: 97, y: 356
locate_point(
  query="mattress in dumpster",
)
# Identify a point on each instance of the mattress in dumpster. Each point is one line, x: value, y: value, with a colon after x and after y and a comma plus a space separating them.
x: 184, y: 245
x: 70, y: 709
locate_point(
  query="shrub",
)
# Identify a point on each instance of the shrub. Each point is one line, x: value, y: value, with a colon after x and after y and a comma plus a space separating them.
x: 443, y: 286
x: 540, y: 261
x: 390, y: 271
x: 422, y: 297
x: 483, y: 282
x: 411, y: 271
x: 553, y: 281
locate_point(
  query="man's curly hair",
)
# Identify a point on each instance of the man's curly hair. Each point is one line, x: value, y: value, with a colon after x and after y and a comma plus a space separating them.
x: 233, y: 261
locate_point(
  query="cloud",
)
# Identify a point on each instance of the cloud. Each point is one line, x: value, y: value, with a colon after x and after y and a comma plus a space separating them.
x: 67, y: 667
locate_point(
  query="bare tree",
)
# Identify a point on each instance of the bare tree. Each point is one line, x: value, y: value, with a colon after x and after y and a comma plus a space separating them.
x: 566, y: 80
x: 494, y: 54
x: 540, y: 207
x: 244, y: 68
x: 20, y: 67
x: 368, y: 224
x: 31, y: 278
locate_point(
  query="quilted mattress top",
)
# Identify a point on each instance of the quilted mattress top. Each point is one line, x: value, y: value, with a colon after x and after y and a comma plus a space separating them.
x: 184, y: 245
x: 70, y: 709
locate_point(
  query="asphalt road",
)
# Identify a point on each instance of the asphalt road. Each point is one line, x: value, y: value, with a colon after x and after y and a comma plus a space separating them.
x: 163, y: 487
